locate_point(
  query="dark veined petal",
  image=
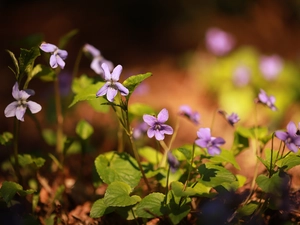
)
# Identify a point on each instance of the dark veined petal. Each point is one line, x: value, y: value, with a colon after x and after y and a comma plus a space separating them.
x: 213, y: 150
x: 53, y: 61
x: 34, y: 107
x: 10, y: 110
x: 150, y: 120
x: 62, y: 53
x: 103, y: 90
x: 20, y: 112
x: 281, y: 135
x: 115, y: 75
x: 291, y: 128
x: 166, y: 129
x: 159, y: 135
x: 163, y: 116
x: 111, y: 93
x: 123, y: 90
x: 48, y: 47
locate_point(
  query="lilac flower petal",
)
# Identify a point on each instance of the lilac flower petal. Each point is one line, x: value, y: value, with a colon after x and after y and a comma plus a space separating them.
x: 95, y: 65
x: 111, y: 93
x: 15, y: 91
x: 92, y: 50
x: 292, y: 147
x: 62, y: 53
x: 60, y: 62
x: 263, y: 96
x: 103, y: 90
x: 109, y: 64
x: 10, y: 110
x: 214, y: 150
x: 159, y: 135
x: 107, y: 74
x: 281, y: 135
x: 185, y: 109
x: 53, y: 61
x: 201, y: 142
x: 204, y: 133
x: 166, y: 129
x: 23, y: 95
x: 34, y: 107
x: 48, y: 47
x: 291, y: 128
x: 151, y: 132
x: 297, y: 141
x: 218, y: 141
x: 163, y: 116
x: 20, y: 112
x: 150, y: 120
x: 115, y: 75
x: 123, y: 90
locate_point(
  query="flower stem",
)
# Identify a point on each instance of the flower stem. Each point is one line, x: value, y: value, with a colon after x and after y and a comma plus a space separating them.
x: 190, y: 167
x: 16, y: 149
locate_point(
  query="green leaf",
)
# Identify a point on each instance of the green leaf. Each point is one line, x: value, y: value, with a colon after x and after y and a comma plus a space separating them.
x: 289, y: 162
x: 273, y: 184
x: 178, y: 191
x: 15, y: 61
x: 99, y: 209
x: 66, y: 38
x: 26, y: 60
x: 84, y: 129
x: 240, y: 142
x: 43, y: 72
x: 132, y: 82
x: 267, y: 160
x: 27, y: 159
x: 213, y: 176
x: 186, y: 152
x: 9, y: 189
x: 225, y: 156
x: 81, y: 83
x: 150, y: 154
x: 114, y: 166
x: 248, y: 209
x: 49, y: 136
x: 6, y: 138
x: 151, y: 206
x: 137, y: 110
x: 88, y: 93
x: 117, y: 194
x: 127, y: 212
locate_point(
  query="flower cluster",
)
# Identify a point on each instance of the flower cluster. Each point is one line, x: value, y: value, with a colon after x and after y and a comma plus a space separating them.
x: 205, y: 140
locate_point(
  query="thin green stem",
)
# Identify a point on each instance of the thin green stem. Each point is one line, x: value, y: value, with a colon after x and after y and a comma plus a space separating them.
x: 167, y: 184
x: 76, y: 65
x: 163, y: 161
x: 271, y: 160
x: 190, y: 168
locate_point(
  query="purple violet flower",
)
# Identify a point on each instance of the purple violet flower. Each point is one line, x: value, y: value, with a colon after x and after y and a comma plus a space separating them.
x: 241, y: 76
x: 267, y: 100
x: 173, y: 162
x: 139, y: 130
x: 219, y: 42
x: 270, y: 66
x: 112, y: 86
x: 186, y: 111
x: 207, y: 141
x: 290, y: 137
x: 97, y: 60
x: 57, y: 55
x: 18, y: 107
x: 157, y: 127
x: 232, y: 119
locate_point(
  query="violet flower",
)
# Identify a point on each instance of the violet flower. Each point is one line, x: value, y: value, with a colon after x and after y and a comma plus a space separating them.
x: 212, y: 144
x: 140, y: 129
x: 219, y: 42
x: 186, y: 111
x: 241, y: 76
x: 270, y: 66
x: 232, y: 119
x: 18, y: 107
x: 173, y: 162
x: 57, y: 55
x: 267, y: 100
x: 157, y: 127
x: 290, y: 137
x: 97, y: 60
x: 112, y: 86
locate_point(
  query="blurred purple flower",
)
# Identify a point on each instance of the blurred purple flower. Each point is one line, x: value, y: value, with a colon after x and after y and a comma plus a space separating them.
x: 232, y: 119
x: 290, y: 137
x: 267, y: 100
x: 18, y: 107
x: 186, y: 111
x: 157, y: 127
x: 219, y: 42
x: 112, y: 86
x: 139, y: 130
x: 57, y: 55
x: 173, y: 162
x: 270, y: 66
x: 97, y: 60
x: 241, y: 76
x: 207, y: 141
